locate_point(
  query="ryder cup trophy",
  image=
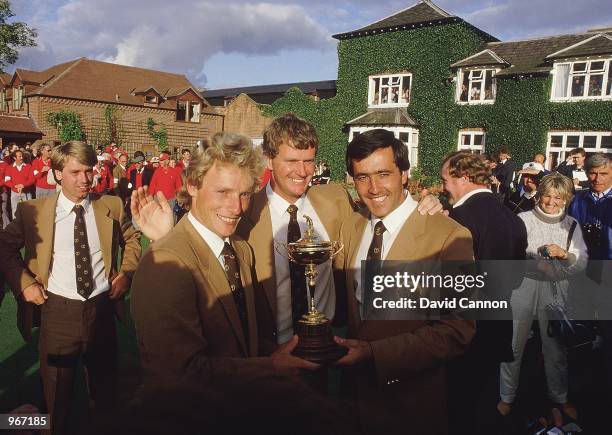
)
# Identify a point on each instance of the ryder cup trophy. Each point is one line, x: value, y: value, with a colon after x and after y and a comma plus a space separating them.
x: 316, y: 342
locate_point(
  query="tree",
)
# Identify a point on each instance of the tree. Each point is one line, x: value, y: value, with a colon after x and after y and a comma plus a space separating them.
x: 13, y: 36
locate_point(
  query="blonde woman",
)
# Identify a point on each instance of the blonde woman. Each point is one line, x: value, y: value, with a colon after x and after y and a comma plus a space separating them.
x: 555, y: 251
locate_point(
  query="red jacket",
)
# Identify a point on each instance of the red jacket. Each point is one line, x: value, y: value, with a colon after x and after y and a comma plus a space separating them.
x: 39, y: 175
x: 180, y: 165
x: 13, y: 176
x: 3, y: 167
x: 104, y: 181
x: 167, y: 180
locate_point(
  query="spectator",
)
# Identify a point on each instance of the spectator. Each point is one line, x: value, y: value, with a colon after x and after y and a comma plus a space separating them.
x: 576, y: 171
x: 186, y: 159
x: 524, y: 198
x: 4, y: 197
x: 504, y: 171
x: 555, y: 251
x: 40, y: 169
x: 166, y: 180
x: 19, y: 177
x: 120, y: 181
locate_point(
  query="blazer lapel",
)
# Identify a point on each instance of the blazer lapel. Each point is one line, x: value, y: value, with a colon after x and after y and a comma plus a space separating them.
x: 217, y: 283
x: 104, y: 224
x: 46, y: 226
x: 317, y: 203
x: 262, y: 239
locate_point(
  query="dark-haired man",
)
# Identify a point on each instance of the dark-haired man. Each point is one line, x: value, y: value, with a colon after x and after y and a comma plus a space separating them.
x: 396, y: 367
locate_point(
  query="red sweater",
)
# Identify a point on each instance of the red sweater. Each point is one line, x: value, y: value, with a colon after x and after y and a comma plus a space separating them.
x: 13, y: 176
x: 39, y: 175
x: 167, y: 180
x: 3, y: 167
x: 104, y: 181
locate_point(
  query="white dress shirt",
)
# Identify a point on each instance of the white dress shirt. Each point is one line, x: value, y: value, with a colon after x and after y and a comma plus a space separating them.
x: 469, y: 195
x: 62, y: 280
x: 393, y: 223
x: 325, y: 294
x: 214, y: 242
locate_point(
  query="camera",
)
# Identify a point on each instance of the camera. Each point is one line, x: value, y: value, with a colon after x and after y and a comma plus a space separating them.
x: 593, y: 234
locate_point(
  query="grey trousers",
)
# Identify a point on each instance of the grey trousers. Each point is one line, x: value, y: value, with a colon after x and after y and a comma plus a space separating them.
x: 528, y: 303
x: 16, y: 198
x: 5, y: 208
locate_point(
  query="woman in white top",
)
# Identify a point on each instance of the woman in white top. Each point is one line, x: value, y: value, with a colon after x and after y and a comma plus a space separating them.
x: 555, y: 251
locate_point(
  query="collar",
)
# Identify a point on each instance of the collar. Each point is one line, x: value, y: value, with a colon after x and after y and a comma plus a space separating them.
x: 601, y: 195
x: 68, y: 205
x: 547, y: 217
x: 214, y: 242
x: 469, y: 195
x: 394, y: 220
x: 279, y: 204
x: 529, y: 195
x: 503, y: 162
x: 15, y: 165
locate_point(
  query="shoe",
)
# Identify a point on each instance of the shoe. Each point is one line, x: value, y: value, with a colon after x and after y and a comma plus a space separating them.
x: 570, y: 410
x: 504, y: 408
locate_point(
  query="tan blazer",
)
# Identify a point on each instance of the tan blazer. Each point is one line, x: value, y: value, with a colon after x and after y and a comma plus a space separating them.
x: 186, y: 320
x: 33, y: 228
x: 404, y: 390
x: 332, y: 204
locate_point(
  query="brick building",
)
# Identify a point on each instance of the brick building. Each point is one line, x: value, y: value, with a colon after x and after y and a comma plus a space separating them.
x: 88, y: 87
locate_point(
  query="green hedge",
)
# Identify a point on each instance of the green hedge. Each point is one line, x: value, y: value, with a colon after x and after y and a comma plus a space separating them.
x: 520, y: 117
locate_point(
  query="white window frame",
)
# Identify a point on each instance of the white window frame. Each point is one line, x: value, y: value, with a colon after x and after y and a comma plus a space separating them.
x: 154, y: 99
x: 412, y: 144
x: 3, y: 101
x: 562, y: 150
x: 18, y: 98
x: 478, y: 149
x: 193, y: 117
x: 400, y: 100
x: 586, y: 74
x: 481, y: 81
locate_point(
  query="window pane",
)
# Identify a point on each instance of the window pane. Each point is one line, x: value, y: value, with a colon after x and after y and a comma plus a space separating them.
x: 597, y: 66
x: 578, y: 86
x: 478, y: 139
x: 606, y: 141
x: 376, y: 92
x: 404, y: 137
x: 477, y: 74
x: 489, y: 85
x: 395, y: 80
x: 194, y: 112
x: 181, y: 111
x: 553, y: 159
x: 561, y: 80
x: 589, y: 142
x: 466, y: 139
x: 579, y: 67
x: 556, y: 141
x: 385, y: 96
x: 464, y: 87
x: 595, y: 85
x: 385, y: 81
x: 475, y: 91
x: 609, y: 92
x: 406, y: 90
x: 572, y: 141
x: 394, y: 94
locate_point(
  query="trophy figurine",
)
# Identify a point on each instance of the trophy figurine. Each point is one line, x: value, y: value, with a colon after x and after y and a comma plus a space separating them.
x: 316, y: 342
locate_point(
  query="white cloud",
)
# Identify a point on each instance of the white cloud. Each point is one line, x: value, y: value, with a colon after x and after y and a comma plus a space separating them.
x: 178, y: 35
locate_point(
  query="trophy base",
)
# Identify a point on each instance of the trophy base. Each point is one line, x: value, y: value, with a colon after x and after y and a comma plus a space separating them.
x: 316, y: 343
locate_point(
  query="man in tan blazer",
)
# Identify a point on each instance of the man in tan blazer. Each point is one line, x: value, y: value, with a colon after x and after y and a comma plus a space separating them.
x: 68, y: 278
x: 395, y: 369
x: 194, y: 294
x: 290, y: 145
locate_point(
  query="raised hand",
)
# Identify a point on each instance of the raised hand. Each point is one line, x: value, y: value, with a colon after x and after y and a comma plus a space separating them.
x: 153, y: 216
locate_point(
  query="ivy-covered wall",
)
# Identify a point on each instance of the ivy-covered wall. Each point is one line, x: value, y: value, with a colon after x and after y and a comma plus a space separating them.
x: 520, y: 117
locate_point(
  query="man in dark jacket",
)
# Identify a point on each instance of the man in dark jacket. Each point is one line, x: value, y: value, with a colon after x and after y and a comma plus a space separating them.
x: 498, y: 234
x: 504, y: 171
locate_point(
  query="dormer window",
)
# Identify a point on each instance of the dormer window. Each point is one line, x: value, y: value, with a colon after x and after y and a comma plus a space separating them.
x: 3, y: 104
x: 390, y: 90
x: 582, y: 80
x: 151, y: 99
x: 188, y: 111
x: 476, y: 86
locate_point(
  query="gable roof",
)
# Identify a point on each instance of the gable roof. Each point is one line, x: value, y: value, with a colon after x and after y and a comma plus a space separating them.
x: 305, y: 87
x: 484, y: 57
x: 598, y: 44
x: 19, y: 124
x: 424, y: 13
x: 93, y: 80
x: 533, y: 56
x: 384, y: 117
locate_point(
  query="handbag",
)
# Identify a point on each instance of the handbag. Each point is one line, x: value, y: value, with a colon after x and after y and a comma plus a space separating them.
x: 572, y: 334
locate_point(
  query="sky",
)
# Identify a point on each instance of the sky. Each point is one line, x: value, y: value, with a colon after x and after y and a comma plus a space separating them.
x: 230, y: 43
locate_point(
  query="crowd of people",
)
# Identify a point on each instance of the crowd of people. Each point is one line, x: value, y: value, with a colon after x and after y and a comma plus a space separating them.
x: 216, y: 304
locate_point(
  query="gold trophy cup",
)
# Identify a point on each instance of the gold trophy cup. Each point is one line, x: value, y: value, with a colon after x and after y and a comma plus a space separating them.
x: 316, y: 342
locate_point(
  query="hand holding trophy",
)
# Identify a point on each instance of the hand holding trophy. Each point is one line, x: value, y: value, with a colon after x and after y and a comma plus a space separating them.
x: 316, y: 343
